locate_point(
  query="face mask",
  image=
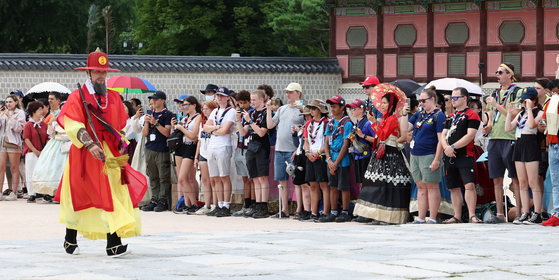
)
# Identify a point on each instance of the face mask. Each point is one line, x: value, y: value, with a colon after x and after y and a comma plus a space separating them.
x: 100, y: 88
x: 209, y: 97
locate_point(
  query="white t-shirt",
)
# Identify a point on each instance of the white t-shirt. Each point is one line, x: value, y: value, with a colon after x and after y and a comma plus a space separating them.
x: 203, y: 142
x: 222, y: 140
x: 189, y: 125
x: 315, y: 131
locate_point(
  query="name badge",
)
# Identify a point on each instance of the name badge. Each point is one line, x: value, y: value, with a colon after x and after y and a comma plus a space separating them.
x: 412, y: 143
x: 152, y: 137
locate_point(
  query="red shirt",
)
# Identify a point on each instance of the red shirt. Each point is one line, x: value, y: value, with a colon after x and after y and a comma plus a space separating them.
x: 551, y: 139
x: 462, y: 121
x: 30, y: 132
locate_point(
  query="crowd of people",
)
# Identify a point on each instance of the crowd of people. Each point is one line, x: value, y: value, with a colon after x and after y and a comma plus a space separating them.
x: 396, y: 157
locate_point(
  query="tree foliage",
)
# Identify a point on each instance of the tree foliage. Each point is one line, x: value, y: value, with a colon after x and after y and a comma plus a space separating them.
x: 303, y: 25
x: 58, y: 26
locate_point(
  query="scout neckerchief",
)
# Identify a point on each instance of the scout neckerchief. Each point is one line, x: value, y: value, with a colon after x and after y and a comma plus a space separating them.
x: 160, y: 115
x: 503, y: 100
x: 457, y: 117
x: 191, y: 119
x: 424, y: 117
x: 336, y: 132
x: 257, y: 119
x: 521, y: 121
x: 312, y: 135
x: 218, y: 122
x: 204, y: 135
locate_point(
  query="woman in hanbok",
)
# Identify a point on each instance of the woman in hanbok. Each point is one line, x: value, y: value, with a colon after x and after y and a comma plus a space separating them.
x: 385, y: 195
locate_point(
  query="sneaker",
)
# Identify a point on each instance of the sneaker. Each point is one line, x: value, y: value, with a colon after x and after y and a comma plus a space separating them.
x: 203, y: 210
x: 495, y: 220
x: 192, y: 210
x: 48, y: 198
x: 161, y: 207
x: 240, y: 213
x: 181, y: 209
x: 250, y: 211
x: 520, y: 220
x: 11, y: 197
x: 150, y: 206
x: 534, y: 220
x: 224, y: 212
x: 431, y: 221
x: 1, y: 196
x: 418, y: 222
x: 19, y: 194
x: 551, y: 222
x: 304, y: 216
x: 214, y: 211
x: 330, y: 218
x: 362, y: 220
x: 27, y: 196
x: 31, y: 199
x: 261, y: 212
x: 344, y: 217
x: 310, y: 218
x: 39, y: 195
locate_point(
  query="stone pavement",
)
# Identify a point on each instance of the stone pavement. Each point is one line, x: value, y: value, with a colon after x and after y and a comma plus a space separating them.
x: 319, y: 251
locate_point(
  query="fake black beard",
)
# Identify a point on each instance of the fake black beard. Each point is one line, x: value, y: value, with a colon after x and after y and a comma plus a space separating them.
x: 100, y: 88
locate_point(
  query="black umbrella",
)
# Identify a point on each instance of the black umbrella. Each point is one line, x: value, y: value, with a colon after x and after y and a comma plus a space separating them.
x: 419, y: 89
x: 407, y: 86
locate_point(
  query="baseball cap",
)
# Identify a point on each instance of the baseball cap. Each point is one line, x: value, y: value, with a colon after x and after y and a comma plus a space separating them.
x: 371, y: 80
x: 223, y: 91
x: 209, y: 87
x: 158, y: 95
x: 181, y: 98
x: 18, y: 92
x: 336, y: 100
x: 528, y: 93
x: 358, y: 103
x: 294, y: 86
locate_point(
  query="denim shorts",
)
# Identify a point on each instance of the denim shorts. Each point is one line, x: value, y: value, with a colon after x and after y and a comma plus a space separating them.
x: 280, y: 174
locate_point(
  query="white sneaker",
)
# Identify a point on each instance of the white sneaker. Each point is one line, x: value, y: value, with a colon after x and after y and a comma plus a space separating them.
x: 26, y: 196
x: 1, y: 196
x: 11, y: 197
x: 203, y: 210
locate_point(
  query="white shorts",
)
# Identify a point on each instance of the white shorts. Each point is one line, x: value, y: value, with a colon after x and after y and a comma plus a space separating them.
x: 219, y: 161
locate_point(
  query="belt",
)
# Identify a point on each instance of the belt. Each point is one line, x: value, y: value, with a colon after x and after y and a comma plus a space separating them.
x: 190, y: 143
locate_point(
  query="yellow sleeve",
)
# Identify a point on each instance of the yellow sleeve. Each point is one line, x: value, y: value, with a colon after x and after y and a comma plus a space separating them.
x: 72, y: 127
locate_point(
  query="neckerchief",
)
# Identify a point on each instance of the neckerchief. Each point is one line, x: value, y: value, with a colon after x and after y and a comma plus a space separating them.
x: 36, y: 123
x: 457, y: 117
x: 331, y: 126
x: 222, y: 114
x: 424, y: 118
x: 258, y: 119
x: 187, y: 122
x: 503, y: 100
x: 204, y: 135
x: 310, y: 129
x: 521, y: 121
x: 160, y: 115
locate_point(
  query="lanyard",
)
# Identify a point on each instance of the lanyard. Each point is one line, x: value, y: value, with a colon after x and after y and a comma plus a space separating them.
x: 222, y: 114
x: 204, y: 135
x: 310, y: 129
x: 424, y: 118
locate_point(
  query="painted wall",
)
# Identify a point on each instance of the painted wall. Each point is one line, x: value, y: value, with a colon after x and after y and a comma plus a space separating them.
x: 441, y: 21
x: 343, y: 24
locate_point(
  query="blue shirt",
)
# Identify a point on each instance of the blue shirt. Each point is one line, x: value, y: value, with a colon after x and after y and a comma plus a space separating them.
x: 425, y: 138
x: 368, y: 131
x: 337, y: 139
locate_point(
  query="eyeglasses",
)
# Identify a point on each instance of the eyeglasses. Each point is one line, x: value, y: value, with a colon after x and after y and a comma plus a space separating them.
x: 368, y: 86
x: 424, y: 100
x: 206, y: 109
x: 353, y: 108
x: 185, y: 104
x: 446, y: 99
x: 499, y: 72
x: 455, y: 98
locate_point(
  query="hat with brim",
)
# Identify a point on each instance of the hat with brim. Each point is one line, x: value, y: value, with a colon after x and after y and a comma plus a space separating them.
x: 181, y: 98
x: 158, y: 95
x: 321, y: 105
x: 336, y: 100
x: 358, y: 104
x: 223, y: 91
x: 306, y: 111
x: 209, y: 87
x: 528, y: 93
x: 97, y: 61
x: 294, y: 87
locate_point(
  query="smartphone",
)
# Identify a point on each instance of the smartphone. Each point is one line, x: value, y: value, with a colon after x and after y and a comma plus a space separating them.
x: 174, y: 116
x: 2, y: 103
x: 543, y: 121
x: 299, y: 103
x: 517, y: 106
x: 149, y: 112
x: 408, y: 101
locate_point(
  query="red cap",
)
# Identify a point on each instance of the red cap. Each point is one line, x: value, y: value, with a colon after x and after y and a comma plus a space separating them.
x: 97, y: 61
x: 358, y: 103
x: 336, y: 100
x: 371, y: 80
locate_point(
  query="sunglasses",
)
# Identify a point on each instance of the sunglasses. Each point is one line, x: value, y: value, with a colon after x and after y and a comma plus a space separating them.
x: 446, y: 99
x: 455, y: 98
x: 499, y: 72
x: 313, y: 108
x: 185, y: 104
x: 353, y: 108
x: 424, y: 100
x: 367, y: 87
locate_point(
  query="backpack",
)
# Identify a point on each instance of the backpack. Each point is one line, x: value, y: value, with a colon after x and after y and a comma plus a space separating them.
x: 516, y: 88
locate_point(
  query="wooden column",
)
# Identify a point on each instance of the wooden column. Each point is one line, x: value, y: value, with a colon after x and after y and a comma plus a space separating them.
x: 430, y: 43
x: 540, y: 38
x: 483, y: 40
x: 332, y: 49
x: 380, y: 45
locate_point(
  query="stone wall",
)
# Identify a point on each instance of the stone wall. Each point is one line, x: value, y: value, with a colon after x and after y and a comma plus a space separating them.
x: 322, y: 86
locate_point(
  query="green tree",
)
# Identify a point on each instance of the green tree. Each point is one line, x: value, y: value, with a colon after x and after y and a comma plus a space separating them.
x: 303, y: 25
x: 206, y: 27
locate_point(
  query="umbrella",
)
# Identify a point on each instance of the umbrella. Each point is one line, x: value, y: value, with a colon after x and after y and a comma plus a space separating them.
x: 128, y: 84
x: 418, y: 90
x: 42, y: 91
x: 449, y: 84
x: 407, y: 86
x: 380, y: 90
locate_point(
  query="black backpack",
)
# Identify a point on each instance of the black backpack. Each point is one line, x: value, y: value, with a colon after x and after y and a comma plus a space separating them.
x: 175, y: 140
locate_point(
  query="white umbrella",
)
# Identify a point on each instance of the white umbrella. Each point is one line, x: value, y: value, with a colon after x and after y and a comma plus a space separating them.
x: 452, y: 83
x: 49, y: 87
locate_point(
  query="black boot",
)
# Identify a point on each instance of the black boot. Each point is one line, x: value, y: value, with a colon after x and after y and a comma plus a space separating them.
x: 70, y: 243
x: 115, y: 248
